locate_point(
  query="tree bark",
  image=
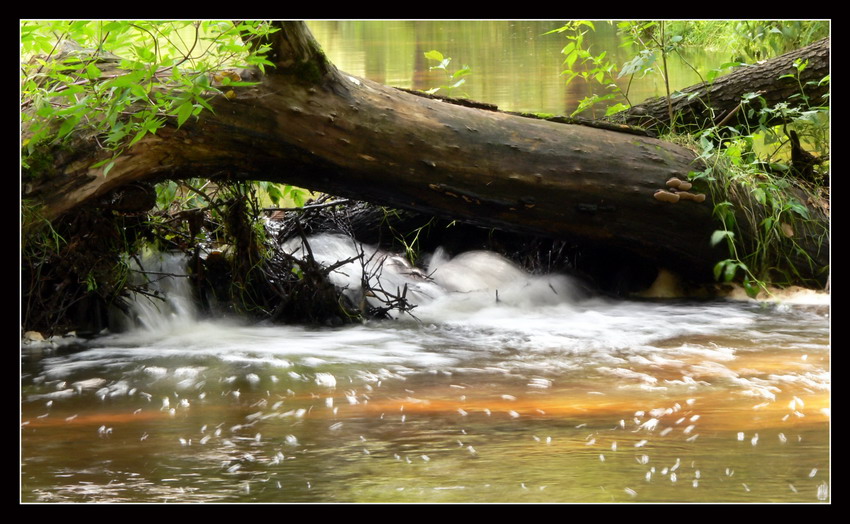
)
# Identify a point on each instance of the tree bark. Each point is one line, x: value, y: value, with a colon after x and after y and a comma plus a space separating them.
x: 719, y: 102
x: 310, y: 125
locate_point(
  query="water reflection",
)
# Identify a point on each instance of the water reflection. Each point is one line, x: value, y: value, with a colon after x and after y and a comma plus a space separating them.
x: 514, y: 64
x: 617, y: 401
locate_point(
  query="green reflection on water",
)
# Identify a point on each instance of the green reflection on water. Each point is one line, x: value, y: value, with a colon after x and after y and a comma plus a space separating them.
x: 515, y: 65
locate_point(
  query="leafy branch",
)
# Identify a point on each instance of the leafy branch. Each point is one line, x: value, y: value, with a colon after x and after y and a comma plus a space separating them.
x: 72, y: 82
x: 453, y: 80
x: 593, y: 68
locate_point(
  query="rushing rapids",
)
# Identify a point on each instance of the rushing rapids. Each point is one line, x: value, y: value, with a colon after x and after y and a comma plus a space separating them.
x: 475, y: 278
x: 499, y: 386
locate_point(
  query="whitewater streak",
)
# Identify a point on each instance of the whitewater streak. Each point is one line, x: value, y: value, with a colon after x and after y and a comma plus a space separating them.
x: 470, y: 281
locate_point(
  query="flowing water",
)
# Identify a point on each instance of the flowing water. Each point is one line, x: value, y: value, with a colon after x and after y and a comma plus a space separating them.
x: 538, y: 394
x: 544, y: 394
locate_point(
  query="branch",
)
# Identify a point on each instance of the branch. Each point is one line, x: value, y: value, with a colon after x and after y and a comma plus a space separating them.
x: 295, y: 51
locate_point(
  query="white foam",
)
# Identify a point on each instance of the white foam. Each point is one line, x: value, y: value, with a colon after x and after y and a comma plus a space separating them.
x: 471, y: 282
x: 537, y: 326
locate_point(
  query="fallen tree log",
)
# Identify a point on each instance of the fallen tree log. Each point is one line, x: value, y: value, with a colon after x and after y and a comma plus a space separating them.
x: 308, y: 124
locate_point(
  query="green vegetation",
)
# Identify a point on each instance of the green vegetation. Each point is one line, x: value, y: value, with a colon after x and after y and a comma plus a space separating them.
x: 652, y: 44
x: 73, y: 266
x: 453, y: 79
x: 771, y: 206
x: 750, y: 169
x: 749, y: 41
x: 653, y: 41
x: 74, y: 83
x: 72, y: 79
x: 74, y: 87
x: 593, y: 68
x: 752, y: 177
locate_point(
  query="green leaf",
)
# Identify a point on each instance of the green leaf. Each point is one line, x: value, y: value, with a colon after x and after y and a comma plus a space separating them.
x: 616, y: 108
x: 69, y: 92
x: 589, y: 101
x: 115, y: 27
x: 566, y: 27
x: 799, y: 208
x: 127, y: 80
x: 729, y: 271
x: 92, y: 72
x: 138, y: 91
x: 184, y: 111
x: 434, y: 55
x: 75, y: 109
x: 462, y: 72
x: 108, y: 167
x: 299, y: 196
x: 706, y: 144
x: 243, y: 84
x: 751, y: 287
x: 144, y: 53
x: 67, y: 126
x: 138, y: 137
x: 720, y: 234
x: 98, y: 164
x: 274, y: 194
x: 724, y: 211
x: 153, y: 124
x: 718, y: 268
x: 760, y: 195
x: 570, y: 61
x: 639, y: 63
x: 200, y: 100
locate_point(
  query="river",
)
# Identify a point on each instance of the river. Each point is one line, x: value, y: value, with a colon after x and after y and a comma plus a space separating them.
x: 531, y: 396
x: 541, y: 393
x: 514, y: 64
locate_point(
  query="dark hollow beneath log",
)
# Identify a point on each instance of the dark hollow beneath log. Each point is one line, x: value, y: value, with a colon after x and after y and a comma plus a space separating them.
x: 401, y: 231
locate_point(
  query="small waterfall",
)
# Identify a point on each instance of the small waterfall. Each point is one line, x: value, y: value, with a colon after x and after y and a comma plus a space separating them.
x: 447, y: 288
x: 386, y: 273
x: 168, y: 303
x: 469, y: 281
